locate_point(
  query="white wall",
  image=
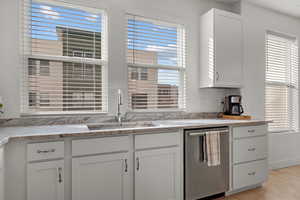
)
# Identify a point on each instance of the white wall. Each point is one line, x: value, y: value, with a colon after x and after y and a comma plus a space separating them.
x: 179, y: 11
x: 9, y: 56
x: 284, y: 148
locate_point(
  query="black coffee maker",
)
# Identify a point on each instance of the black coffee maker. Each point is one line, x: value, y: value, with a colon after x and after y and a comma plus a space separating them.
x: 232, y: 105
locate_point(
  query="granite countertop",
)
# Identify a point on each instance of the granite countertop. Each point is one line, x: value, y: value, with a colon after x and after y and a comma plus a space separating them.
x: 61, y: 131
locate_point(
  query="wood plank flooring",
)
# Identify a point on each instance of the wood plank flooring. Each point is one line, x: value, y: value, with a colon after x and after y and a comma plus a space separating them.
x: 283, y: 184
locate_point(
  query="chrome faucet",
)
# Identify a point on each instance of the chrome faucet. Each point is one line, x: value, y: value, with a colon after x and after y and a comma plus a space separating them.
x: 120, y: 103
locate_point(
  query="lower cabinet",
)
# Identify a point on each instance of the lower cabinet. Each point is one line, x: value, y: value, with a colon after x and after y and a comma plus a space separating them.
x: 157, y: 174
x: 110, y: 169
x: 1, y: 174
x: 107, y: 168
x: 101, y: 177
x: 45, y: 180
x: 250, y: 173
x: 250, y: 156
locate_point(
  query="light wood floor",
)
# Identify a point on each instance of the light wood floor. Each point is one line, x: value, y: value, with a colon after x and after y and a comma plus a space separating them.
x: 283, y: 184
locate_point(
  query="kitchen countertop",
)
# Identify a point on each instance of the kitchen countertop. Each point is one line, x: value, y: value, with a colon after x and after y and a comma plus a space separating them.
x: 61, y: 131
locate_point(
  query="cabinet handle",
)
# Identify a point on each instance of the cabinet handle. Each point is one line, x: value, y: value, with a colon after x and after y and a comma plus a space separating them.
x: 59, y: 174
x: 137, y: 164
x: 46, y: 151
x: 251, y: 131
x: 218, y: 76
x: 251, y: 173
x: 252, y: 149
x: 126, y: 166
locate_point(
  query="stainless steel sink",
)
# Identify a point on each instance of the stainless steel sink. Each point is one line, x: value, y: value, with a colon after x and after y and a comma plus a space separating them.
x: 107, y: 126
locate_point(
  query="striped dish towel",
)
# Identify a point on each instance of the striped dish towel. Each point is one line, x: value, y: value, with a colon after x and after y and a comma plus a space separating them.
x: 212, y: 147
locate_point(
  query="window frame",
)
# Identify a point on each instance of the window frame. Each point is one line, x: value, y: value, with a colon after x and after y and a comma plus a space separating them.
x: 27, y: 54
x: 288, y: 85
x: 181, y: 69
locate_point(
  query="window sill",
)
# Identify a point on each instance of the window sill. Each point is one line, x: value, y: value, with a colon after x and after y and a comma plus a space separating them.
x: 283, y: 132
x: 71, y: 114
x: 157, y: 111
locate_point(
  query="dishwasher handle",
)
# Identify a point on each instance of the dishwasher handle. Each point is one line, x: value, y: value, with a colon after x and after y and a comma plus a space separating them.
x: 205, y: 132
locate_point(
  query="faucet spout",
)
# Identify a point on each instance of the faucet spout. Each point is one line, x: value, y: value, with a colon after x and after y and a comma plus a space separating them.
x: 120, y: 103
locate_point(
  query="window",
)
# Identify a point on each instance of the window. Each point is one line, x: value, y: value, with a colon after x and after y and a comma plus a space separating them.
x: 281, y: 92
x: 134, y: 74
x: 44, y: 68
x: 166, y: 95
x: 144, y: 74
x: 32, y: 67
x: 44, y: 101
x: 65, y: 58
x: 32, y: 99
x: 44, y: 63
x: 139, y: 101
x: 156, y: 64
x: 139, y: 74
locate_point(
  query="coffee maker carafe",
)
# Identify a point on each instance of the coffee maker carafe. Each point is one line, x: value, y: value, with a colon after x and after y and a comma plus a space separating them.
x: 232, y: 105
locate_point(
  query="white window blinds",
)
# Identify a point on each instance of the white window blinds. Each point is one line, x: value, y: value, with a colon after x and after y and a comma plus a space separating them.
x: 156, y: 64
x: 65, y: 58
x: 281, y: 95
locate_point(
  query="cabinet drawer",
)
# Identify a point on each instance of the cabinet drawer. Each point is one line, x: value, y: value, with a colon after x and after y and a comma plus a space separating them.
x: 249, y: 131
x: 157, y: 140
x: 250, y: 174
x: 249, y: 149
x: 1, y: 157
x: 100, y: 145
x: 45, y: 151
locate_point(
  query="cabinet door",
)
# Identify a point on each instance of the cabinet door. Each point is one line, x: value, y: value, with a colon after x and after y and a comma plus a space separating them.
x: 101, y: 177
x: 45, y: 180
x: 228, y: 51
x: 1, y: 174
x: 157, y: 174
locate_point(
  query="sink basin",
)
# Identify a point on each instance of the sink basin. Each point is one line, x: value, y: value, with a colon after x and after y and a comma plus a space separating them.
x: 107, y: 126
x: 183, y: 122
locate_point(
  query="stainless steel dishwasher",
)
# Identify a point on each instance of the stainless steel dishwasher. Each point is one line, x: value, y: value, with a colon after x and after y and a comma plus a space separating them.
x: 202, y: 180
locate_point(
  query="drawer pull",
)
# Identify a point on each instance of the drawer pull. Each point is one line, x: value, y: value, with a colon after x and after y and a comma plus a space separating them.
x: 137, y: 164
x: 251, y: 131
x: 126, y: 166
x: 252, y: 149
x: 46, y: 151
x: 59, y: 174
x: 251, y: 173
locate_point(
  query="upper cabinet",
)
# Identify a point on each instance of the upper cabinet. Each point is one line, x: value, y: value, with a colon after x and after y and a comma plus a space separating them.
x: 221, y: 50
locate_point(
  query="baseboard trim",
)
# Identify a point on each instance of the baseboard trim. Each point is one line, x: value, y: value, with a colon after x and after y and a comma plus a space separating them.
x: 284, y: 163
x: 251, y: 187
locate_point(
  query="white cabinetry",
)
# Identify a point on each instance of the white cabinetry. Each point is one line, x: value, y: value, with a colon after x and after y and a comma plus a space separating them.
x: 157, y: 170
x: 221, y: 49
x: 101, y: 177
x: 1, y: 173
x: 251, y: 173
x: 249, y: 163
x: 45, y: 180
x: 101, y: 169
x: 157, y: 174
x: 250, y: 149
